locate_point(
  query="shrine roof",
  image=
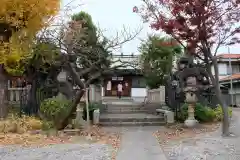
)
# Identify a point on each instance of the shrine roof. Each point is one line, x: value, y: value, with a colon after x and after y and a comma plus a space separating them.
x: 127, y: 61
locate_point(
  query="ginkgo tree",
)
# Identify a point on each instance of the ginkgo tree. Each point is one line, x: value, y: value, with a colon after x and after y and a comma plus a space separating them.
x: 201, y: 26
x: 20, y: 21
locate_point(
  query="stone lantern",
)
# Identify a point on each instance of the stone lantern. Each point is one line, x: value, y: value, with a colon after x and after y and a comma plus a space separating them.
x: 62, y: 78
x: 191, y: 99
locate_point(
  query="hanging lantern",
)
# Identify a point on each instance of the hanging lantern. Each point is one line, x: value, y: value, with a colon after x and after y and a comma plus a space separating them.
x: 62, y: 76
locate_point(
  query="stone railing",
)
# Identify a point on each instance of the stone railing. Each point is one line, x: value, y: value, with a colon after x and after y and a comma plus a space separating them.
x: 156, y: 95
x: 14, y: 95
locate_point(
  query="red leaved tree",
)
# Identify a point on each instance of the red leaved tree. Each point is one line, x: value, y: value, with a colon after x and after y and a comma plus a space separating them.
x: 201, y: 27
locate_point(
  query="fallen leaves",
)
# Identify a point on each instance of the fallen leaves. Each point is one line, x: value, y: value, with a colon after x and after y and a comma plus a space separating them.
x: 20, y: 125
x: 178, y: 132
x: 104, y: 137
x: 27, y: 139
x: 36, y: 138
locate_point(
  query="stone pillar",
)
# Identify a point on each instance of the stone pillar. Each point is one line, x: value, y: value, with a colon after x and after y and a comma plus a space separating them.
x: 191, y: 110
x: 190, y: 122
x: 79, y: 122
x: 103, y: 91
x: 93, y: 93
x: 162, y: 94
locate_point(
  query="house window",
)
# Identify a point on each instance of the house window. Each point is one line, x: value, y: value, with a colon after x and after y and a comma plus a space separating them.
x: 235, y: 69
x: 229, y: 70
x: 223, y: 69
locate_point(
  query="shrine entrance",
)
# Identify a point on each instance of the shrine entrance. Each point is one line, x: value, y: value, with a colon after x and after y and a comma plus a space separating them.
x: 110, y: 86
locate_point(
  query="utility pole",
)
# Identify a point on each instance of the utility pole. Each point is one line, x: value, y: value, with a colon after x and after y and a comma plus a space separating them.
x: 230, y: 68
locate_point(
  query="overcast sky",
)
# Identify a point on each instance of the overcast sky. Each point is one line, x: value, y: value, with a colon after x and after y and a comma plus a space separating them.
x: 112, y: 15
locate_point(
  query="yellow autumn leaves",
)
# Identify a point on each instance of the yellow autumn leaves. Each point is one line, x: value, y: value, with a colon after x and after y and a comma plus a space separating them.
x: 25, y: 18
x: 31, y: 13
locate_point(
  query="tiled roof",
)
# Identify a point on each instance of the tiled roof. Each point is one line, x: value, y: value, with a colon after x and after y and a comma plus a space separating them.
x: 229, y: 56
x: 128, y: 61
x: 233, y: 77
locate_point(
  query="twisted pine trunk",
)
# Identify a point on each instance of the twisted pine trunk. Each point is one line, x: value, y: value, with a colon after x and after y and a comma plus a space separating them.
x: 64, y: 122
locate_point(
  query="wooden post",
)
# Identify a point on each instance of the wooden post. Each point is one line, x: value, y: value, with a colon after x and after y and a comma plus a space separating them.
x: 88, y: 116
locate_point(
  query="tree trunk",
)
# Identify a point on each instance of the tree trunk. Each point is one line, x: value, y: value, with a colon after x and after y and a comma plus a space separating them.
x: 29, y: 100
x: 215, y: 81
x: 33, y: 98
x: 65, y: 120
x: 79, y: 82
x: 3, y: 95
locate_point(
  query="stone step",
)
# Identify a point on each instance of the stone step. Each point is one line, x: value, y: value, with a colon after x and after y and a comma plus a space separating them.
x: 116, y: 124
x: 116, y: 99
x: 133, y: 105
x: 123, y: 107
x: 124, y: 110
x: 131, y: 119
x: 123, y: 103
x: 135, y: 118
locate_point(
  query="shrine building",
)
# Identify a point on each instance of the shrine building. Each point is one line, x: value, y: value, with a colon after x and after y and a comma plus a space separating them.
x: 129, y: 75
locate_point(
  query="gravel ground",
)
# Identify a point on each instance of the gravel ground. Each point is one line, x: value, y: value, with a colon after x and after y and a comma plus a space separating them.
x: 57, y: 152
x: 211, y: 146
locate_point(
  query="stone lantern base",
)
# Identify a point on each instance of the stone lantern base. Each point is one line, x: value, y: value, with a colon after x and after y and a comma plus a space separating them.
x: 190, y: 121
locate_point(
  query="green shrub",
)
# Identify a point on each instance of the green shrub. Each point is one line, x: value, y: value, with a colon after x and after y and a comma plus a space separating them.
x: 219, y: 113
x: 203, y: 113
x: 47, y: 125
x: 183, y: 114
x: 54, y: 109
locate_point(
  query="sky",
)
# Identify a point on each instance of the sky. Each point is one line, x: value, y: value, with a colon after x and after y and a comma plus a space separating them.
x: 112, y: 15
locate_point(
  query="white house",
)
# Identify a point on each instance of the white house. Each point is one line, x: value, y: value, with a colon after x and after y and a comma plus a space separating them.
x: 226, y: 75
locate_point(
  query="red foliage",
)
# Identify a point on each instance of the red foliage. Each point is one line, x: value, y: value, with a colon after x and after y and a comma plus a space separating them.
x: 200, y: 23
x: 170, y: 43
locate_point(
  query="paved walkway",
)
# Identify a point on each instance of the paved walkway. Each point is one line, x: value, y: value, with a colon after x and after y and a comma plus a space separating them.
x: 138, y: 143
x: 211, y: 146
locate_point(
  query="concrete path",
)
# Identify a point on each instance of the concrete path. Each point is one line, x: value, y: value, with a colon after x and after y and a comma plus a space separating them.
x: 138, y: 143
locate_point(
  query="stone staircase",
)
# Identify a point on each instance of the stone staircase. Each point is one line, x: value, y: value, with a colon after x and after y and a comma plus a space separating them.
x: 127, y: 113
